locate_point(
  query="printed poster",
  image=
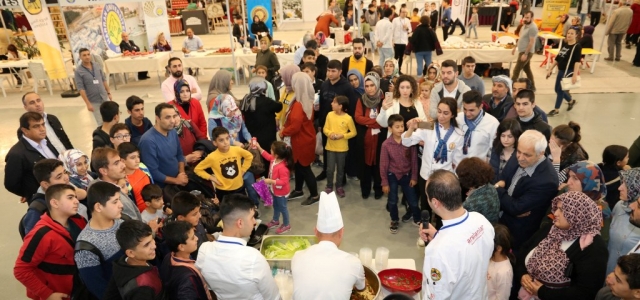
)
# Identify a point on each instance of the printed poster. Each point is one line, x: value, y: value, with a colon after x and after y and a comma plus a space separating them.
x: 46, y: 38
x: 552, y: 10
x: 262, y: 10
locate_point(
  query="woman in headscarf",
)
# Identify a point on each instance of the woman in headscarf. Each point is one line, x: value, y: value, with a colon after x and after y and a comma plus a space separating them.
x: 286, y: 93
x: 189, y: 109
x: 77, y: 164
x: 356, y: 81
x: 321, y: 38
x: 189, y: 136
x: 300, y: 134
x: 567, y: 259
x: 391, y: 72
x: 431, y: 74
x: 221, y: 83
x: 324, y: 21
x: 259, y: 113
x: 232, y: 120
x: 370, y: 135
x: 623, y: 235
x: 586, y: 177
x: 266, y: 58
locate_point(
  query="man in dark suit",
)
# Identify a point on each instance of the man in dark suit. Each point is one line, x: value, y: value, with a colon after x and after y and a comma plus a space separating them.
x: 30, y: 148
x: 128, y: 45
x: 527, y: 185
x: 57, y: 137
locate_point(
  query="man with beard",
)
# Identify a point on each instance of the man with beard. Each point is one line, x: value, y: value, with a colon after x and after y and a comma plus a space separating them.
x: 500, y: 100
x: 175, y: 67
x: 110, y: 168
x: 357, y: 60
x: 528, y: 35
x: 449, y: 87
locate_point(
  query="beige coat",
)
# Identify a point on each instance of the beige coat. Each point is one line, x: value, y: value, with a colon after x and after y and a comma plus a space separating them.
x: 620, y: 20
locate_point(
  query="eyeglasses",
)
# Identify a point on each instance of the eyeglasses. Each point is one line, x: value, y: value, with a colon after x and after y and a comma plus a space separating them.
x: 122, y: 136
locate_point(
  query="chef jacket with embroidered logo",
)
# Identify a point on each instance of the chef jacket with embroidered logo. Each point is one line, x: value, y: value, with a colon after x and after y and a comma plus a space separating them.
x: 430, y: 138
x: 235, y: 271
x: 457, y: 259
x: 324, y: 272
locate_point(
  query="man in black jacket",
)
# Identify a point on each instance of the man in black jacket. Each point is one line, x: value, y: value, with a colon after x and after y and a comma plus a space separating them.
x: 128, y: 45
x: 56, y: 136
x: 500, y: 100
x: 110, y: 112
x: 240, y: 35
x: 335, y: 85
x: 30, y: 148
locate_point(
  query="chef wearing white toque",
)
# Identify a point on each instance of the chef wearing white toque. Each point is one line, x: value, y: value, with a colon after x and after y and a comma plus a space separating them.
x: 323, y: 271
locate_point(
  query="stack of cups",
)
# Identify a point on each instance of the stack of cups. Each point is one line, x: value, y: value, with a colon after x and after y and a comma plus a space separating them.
x: 366, y: 254
x: 382, y: 258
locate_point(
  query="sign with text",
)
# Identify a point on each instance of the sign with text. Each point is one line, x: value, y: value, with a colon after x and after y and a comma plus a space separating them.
x: 552, y: 10
x: 46, y: 39
x: 156, y: 21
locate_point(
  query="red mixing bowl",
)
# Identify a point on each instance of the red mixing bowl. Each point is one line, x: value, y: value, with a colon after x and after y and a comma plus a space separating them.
x: 401, y: 280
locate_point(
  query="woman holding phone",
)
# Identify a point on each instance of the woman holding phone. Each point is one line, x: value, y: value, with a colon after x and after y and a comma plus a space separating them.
x: 442, y: 144
x: 403, y: 101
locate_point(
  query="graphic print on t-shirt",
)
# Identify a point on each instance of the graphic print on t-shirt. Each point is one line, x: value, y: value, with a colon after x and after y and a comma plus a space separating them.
x: 229, y: 168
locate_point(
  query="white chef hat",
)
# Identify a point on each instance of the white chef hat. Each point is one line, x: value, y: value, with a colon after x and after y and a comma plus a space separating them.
x: 329, y: 215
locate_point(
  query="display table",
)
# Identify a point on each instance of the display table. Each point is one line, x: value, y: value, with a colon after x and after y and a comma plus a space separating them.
x: 585, y: 51
x: 125, y: 64
x: 409, y: 264
x: 218, y: 61
x: 482, y: 56
x: 175, y: 26
x: 546, y: 35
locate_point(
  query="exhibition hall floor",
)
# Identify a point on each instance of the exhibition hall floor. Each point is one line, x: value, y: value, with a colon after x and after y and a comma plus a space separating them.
x: 606, y: 110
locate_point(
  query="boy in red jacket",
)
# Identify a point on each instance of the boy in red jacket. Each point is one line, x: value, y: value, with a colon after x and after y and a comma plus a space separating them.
x: 45, y: 265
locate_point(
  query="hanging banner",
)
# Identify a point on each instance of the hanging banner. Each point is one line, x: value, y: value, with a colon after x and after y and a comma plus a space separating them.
x: 552, y: 10
x: 458, y: 10
x: 155, y: 20
x: 262, y: 10
x: 46, y: 39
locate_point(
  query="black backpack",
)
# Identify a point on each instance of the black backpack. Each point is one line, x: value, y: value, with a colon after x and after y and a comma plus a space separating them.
x: 35, y: 205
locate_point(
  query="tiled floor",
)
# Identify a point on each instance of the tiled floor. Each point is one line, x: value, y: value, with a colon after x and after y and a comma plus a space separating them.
x: 606, y: 115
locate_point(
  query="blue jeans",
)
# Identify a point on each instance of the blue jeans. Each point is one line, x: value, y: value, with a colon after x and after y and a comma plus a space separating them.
x: 423, y: 60
x: 409, y: 193
x: 560, y: 94
x: 384, y: 54
x: 249, y: 180
x: 582, y: 18
x: 280, y: 207
x: 473, y: 26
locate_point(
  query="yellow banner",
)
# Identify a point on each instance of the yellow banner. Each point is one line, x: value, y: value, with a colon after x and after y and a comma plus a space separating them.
x: 552, y: 10
x: 46, y: 38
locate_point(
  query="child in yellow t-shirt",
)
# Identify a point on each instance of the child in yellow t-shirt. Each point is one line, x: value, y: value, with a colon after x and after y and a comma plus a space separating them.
x: 227, y: 164
x: 338, y: 128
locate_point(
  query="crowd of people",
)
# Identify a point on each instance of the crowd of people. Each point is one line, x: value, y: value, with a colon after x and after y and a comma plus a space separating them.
x: 166, y: 208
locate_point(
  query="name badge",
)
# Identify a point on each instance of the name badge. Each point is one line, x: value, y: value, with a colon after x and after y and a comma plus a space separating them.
x: 95, y: 81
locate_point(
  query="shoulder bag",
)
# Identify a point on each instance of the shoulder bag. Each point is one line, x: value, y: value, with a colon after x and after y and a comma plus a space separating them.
x: 566, y: 82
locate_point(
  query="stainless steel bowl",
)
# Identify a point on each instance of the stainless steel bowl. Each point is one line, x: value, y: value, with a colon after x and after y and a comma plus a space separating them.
x: 373, y: 280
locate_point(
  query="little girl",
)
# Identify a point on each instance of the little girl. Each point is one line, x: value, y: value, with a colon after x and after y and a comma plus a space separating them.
x: 281, y: 165
x: 425, y: 96
x: 500, y: 271
x: 338, y: 128
x: 473, y: 23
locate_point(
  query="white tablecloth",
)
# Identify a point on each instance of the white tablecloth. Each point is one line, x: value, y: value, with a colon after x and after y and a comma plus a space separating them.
x: 124, y: 64
x: 201, y: 60
x: 480, y: 55
x: 396, y: 264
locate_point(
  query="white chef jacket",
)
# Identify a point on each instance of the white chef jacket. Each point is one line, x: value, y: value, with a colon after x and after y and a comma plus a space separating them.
x: 481, y: 138
x: 400, y: 35
x: 430, y: 138
x: 384, y: 33
x: 457, y: 259
x: 324, y: 272
x: 234, y: 271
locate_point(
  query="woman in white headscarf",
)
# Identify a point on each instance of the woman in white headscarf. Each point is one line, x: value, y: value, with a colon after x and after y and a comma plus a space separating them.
x: 298, y: 131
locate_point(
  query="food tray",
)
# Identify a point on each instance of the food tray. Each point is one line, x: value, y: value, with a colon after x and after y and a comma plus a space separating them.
x: 268, y: 240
